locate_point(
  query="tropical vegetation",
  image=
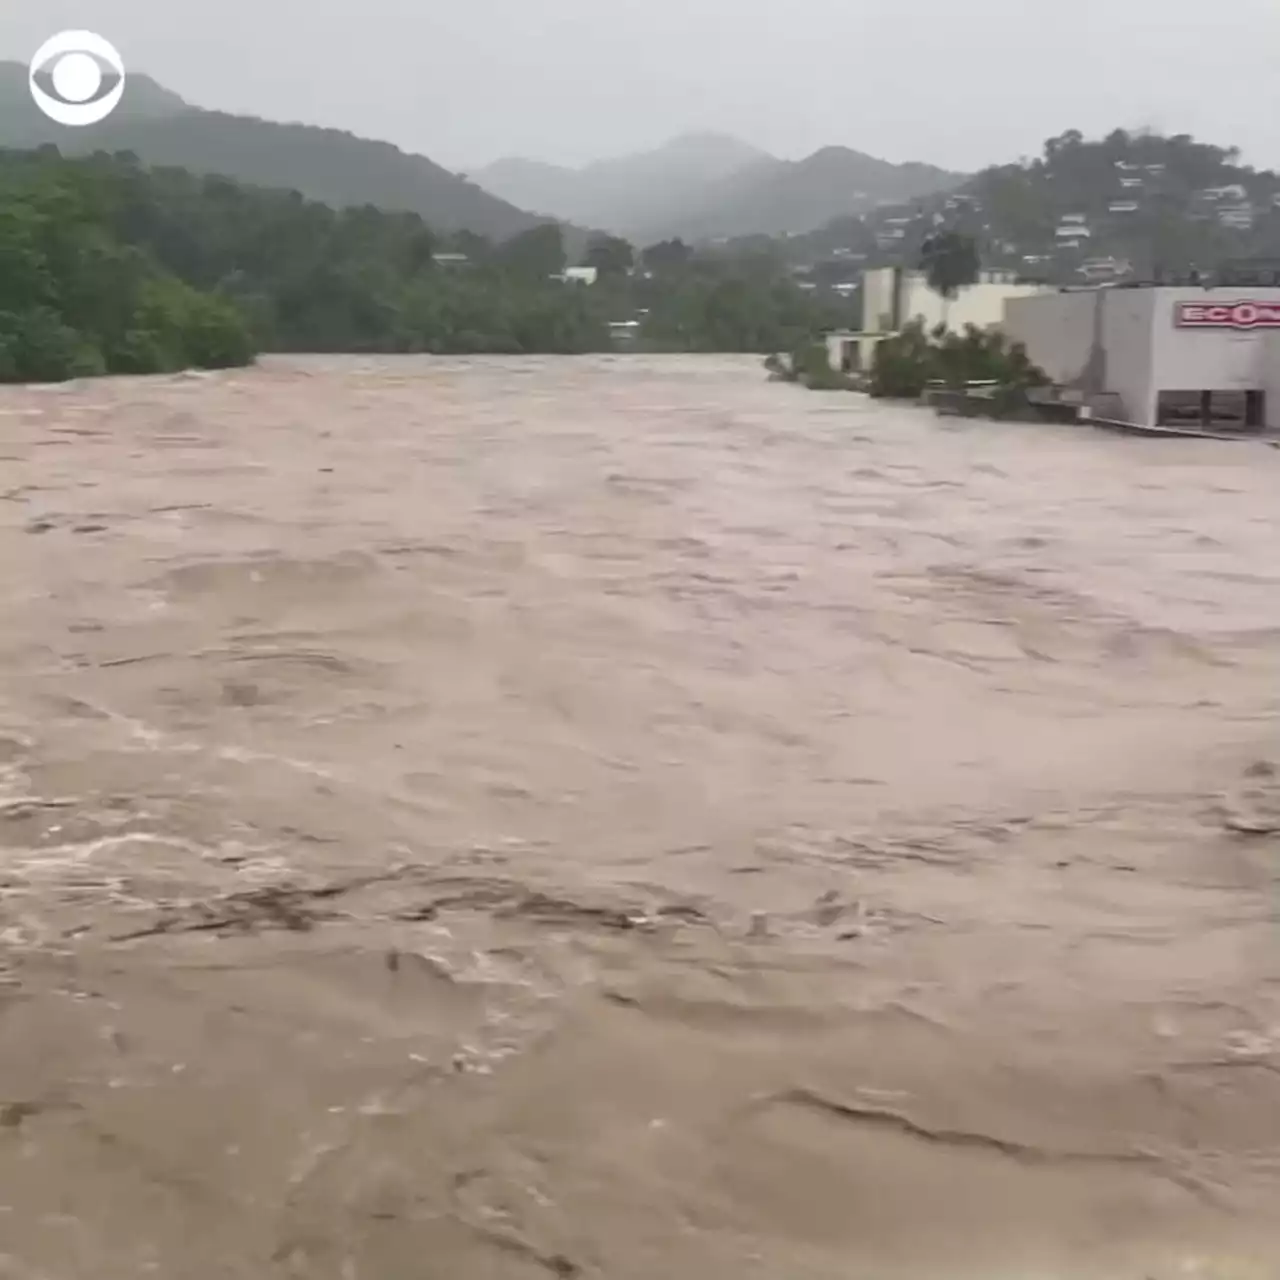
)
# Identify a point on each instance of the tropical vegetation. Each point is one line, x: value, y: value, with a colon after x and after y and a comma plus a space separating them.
x: 915, y: 359
x: 109, y: 266
x: 77, y: 298
x: 810, y: 366
x: 327, y: 165
x: 949, y: 261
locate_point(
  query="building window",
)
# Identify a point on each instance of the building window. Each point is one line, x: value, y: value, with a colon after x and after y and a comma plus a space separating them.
x: 1209, y: 410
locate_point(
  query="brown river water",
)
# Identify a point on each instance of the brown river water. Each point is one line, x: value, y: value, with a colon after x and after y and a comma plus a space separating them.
x: 623, y: 818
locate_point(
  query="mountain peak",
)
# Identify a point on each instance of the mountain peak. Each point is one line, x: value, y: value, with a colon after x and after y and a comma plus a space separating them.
x: 710, y: 142
x: 629, y: 192
x: 835, y: 154
x: 339, y: 169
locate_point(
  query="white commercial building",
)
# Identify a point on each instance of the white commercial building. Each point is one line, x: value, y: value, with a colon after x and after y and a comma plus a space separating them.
x: 1160, y: 356
x: 893, y: 297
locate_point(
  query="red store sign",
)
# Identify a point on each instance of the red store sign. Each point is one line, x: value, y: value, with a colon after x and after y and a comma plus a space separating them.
x: 1227, y: 315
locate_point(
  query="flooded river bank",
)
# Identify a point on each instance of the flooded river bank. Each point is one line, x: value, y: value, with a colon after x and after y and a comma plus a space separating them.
x: 620, y: 817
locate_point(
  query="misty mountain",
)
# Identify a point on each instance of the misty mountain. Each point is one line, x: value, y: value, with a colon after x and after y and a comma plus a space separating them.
x: 790, y: 197
x: 551, y: 189
x: 337, y: 168
x: 627, y: 193
x: 710, y: 187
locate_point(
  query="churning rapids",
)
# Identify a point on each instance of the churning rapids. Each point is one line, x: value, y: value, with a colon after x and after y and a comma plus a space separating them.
x: 620, y: 818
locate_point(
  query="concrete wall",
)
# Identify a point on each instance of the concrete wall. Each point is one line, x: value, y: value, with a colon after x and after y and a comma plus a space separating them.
x: 1271, y: 379
x: 892, y: 297
x: 1097, y: 341
x: 976, y: 304
x: 837, y: 345
x: 1058, y: 330
x: 851, y: 352
x: 1128, y: 319
x: 878, y: 288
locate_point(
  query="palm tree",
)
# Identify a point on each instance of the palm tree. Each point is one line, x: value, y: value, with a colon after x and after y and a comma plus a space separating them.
x: 949, y: 261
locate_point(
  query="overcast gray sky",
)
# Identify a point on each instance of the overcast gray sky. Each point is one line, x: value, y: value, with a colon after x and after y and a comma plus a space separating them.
x: 960, y: 83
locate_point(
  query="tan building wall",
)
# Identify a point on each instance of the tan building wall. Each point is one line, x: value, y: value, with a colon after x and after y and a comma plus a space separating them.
x: 893, y: 297
x: 980, y: 304
x: 1127, y: 367
x: 1270, y: 379
x: 879, y: 287
x: 1058, y: 331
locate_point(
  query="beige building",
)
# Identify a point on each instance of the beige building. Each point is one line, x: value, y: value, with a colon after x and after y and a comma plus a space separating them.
x: 1155, y: 356
x: 893, y: 297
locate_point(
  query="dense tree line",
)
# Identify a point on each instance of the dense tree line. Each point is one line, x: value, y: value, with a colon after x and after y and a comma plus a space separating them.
x: 77, y: 299
x: 108, y: 266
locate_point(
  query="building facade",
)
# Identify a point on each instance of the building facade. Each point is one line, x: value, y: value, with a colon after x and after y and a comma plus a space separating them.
x: 893, y: 297
x: 1154, y: 356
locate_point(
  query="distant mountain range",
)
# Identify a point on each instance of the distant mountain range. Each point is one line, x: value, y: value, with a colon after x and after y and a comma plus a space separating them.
x: 702, y: 186
x: 709, y: 186
x: 1129, y: 204
x: 628, y: 193
x: 324, y: 164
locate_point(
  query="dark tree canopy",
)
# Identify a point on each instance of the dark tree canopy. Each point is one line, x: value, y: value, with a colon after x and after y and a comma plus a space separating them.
x: 610, y: 255
x: 538, y: 253
x: 666, y: 255
x: 77, y: 298
x: 949, y: 261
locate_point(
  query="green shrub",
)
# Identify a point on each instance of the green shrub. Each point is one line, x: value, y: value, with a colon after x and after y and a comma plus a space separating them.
x: 809, y: 365
x: 37, y: 346
x: 907, y: 363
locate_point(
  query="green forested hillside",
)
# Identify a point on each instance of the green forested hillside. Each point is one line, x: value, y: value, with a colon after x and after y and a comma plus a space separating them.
x: 324, y: 164
x: 1127, y: 205
x: 791, y: 197
x: 108, y: 266
x: 77, y: 298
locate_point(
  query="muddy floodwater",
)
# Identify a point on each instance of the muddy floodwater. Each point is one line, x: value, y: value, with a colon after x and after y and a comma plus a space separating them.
x: 620, y: 818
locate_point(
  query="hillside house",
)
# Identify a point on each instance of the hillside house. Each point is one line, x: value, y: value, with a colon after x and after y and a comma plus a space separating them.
x: 1072, y: 226
x: 1099, y: 269
x: 1240, y: 217
x: 1233, y: 192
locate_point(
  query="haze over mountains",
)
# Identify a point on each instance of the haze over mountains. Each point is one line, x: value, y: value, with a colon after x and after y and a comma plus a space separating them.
x: 624, y: 193
x: 1129, y: 203
x: 323, y: 164
x: 708, y: 186
x: 701, y: 186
